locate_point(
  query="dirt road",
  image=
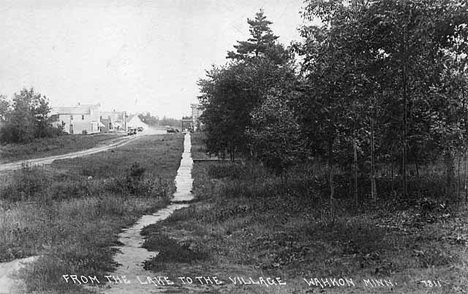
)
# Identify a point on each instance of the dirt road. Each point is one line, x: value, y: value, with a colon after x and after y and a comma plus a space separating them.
x: 48, y: 160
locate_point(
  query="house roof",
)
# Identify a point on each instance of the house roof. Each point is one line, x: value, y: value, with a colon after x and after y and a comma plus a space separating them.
x: 79, y: 109
x: 135, y: 121
x: 130, y: 117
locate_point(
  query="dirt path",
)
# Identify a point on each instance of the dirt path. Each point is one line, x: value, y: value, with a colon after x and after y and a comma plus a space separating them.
x: 130, y: 276
x: 9, y: 285
x: 48, y: 160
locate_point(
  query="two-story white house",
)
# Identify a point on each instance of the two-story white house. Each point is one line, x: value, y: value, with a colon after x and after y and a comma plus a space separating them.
x: 80, y: 119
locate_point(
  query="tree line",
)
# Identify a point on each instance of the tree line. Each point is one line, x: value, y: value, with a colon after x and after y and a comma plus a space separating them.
x: 376, y: 83
x: 25, y: 118
x: 156, y: 121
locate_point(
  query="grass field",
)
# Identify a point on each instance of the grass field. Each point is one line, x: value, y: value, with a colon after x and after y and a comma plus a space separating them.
x: 248, y: 223
x: 70, y: 213
x: 53, y: 146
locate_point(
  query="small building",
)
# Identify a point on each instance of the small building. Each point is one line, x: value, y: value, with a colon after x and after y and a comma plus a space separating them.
x: 134, y: 121
x: 80, y: 119
x: 187, y: 123
x: 113, y: 121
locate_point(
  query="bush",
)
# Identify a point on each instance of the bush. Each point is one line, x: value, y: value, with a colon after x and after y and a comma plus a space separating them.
x: 28, y: 183
x: 136, y: 182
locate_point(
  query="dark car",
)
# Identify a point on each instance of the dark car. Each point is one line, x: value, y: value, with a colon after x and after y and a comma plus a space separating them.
x: 171, y: 130
x: 140, y: 129
x: 132, y: 132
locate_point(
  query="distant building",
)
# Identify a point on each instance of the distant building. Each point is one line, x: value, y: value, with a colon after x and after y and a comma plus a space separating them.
x: 134, y: 121
x: 114, y: 121
x: 187, y: 123
x: 197, y: 111
x: 80, y: 119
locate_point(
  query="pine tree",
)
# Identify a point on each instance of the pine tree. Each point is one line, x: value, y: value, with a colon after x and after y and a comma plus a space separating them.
x: 262, y: 39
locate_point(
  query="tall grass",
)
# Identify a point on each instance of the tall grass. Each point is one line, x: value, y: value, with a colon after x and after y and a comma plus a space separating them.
x: 42, y: 147
x: 71, y: 218
x: 198, y: 149
x: 251, y: 222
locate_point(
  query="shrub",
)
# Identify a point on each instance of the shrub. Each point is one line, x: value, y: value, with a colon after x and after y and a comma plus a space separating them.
x: 28, y: 183
x: 137, y: 182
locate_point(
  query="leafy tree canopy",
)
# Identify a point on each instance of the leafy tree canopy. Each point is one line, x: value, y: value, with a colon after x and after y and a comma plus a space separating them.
x: 26, y: 118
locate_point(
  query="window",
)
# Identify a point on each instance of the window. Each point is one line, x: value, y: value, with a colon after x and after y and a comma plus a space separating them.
x: 82, y: 117
x: 71, y: 117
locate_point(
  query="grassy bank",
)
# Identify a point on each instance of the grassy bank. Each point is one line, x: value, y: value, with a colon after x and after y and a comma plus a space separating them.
x: 71, y: 212
x: 53, y: 146
x: 248, y: 223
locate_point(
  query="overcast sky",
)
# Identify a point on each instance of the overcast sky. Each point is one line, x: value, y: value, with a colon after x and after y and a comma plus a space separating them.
x: 131, y: 55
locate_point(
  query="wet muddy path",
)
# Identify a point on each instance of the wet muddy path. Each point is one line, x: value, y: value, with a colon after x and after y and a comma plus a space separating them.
x: 130, y: 277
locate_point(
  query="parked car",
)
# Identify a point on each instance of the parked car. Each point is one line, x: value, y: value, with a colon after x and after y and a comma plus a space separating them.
x: 132, y: 132
x: 140, y: 129
x: 172, y: 130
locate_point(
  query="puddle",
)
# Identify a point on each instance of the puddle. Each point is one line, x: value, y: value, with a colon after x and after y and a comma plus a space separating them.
x: 132, y: 256
x: 8, y: 285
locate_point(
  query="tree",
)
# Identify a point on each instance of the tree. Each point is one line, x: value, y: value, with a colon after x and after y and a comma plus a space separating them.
x: 150, y: 120
x: 415, y: 37
x: 4, y: 108
x: 227, y: 101
x: 27, y: 118
x: 333, y: 84
x: 374, y: 65
x: 262, y: 39
x: 230, y: 93
x: 274, y: 137
x: 41, y: 111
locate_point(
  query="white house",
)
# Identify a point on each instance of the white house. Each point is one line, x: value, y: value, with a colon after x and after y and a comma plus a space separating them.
x: 80, y: 119
x: 133, y: 122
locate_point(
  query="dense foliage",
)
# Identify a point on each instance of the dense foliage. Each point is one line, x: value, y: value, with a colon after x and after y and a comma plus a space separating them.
x: 379, y: 83
x: 155, y: 121
x: 25, y: 118
x: 233, y: 95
